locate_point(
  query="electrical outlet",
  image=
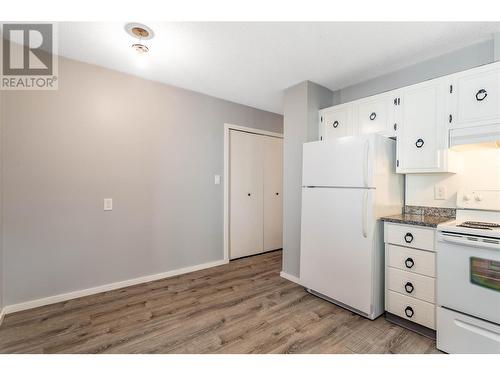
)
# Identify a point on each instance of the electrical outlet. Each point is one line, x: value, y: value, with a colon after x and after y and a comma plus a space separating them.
x: 217, y: 179
x: 440, y: 192
x: 108, y: 204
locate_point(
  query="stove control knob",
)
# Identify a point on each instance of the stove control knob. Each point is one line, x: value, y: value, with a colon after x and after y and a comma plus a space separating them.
x: 479, y: 198
x: 466, y: 198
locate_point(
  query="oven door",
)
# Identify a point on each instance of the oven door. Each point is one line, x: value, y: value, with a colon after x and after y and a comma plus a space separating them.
x: 468, y: 275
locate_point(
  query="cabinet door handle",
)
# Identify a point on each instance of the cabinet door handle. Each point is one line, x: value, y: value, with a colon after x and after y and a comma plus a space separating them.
x: 277, y: 193
x: 249, y: 194
x: 409, y: 263
x: 408, y: 237
x: 409, y: 287
x: 481, y: 95
x: 419, y: 143
x: 409, y: 312
x: 335, y: 124
x: 373, y: 116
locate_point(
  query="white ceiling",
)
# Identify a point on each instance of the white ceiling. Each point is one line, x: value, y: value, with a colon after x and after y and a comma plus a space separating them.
x: 251, y: 63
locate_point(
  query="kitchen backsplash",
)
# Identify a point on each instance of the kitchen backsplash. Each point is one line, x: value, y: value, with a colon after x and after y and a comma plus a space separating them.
x: 430, y: 211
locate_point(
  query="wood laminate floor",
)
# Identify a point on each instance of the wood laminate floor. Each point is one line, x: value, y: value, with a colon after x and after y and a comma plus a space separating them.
x: 241, y: 307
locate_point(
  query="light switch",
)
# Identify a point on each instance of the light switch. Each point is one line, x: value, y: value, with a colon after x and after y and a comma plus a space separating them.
x: 108, y: 204
x: 217, y: 179
x: 440, y: 192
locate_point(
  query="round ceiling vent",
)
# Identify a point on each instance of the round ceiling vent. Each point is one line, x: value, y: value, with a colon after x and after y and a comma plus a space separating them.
x: 139, y: 31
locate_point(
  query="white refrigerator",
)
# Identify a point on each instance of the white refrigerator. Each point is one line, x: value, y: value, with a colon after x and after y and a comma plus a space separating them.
x: 347, y: 184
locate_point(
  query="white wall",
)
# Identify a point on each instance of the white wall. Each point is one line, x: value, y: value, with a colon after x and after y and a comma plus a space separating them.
x: 481, y: 169
x: 151, y: 147
x: 301, y: 105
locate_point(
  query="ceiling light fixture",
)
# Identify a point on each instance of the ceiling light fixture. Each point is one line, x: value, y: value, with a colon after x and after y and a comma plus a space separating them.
x: 141, y: 33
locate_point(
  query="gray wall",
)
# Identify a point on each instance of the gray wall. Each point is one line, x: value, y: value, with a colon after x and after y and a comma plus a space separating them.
x: 301, y: 105
x: 153, y: 148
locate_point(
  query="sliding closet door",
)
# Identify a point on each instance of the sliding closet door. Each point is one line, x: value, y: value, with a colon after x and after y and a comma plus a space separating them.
x: 273, y: 193
x: 246, y: 187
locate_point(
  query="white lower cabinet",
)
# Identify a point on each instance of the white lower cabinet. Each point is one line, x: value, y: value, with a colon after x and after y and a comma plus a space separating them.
x: 410, y: 283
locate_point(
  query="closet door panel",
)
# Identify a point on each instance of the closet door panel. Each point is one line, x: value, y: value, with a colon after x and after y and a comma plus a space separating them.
x: 273, y: 193
x: 245, y: 194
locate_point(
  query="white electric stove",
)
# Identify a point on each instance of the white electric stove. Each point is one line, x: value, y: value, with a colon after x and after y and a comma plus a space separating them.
x: 468, y: 275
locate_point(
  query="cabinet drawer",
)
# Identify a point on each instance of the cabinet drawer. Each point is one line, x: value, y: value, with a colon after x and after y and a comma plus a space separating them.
x: 417, y: 311
x: 411, y: 260
x: 411, y: 284
x: 410, y: 235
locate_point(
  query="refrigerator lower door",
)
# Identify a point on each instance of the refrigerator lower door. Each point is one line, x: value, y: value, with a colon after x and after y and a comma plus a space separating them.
x: 344, y: 162
x: 337, y: 245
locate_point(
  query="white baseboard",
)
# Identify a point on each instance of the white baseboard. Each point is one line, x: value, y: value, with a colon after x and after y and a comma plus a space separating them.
x: 2, y: 314
x: 104, y: 288
x: 292, y: 278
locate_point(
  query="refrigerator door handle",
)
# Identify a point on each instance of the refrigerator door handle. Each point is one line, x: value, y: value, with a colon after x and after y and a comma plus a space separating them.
x: 365, y: 214
x: 365, y: 165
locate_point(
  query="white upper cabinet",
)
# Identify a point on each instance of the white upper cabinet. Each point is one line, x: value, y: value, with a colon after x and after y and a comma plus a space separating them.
x: 422, y: 140
x: 376, y: 114
x: 426, y: 118
x: 474, y: 97
x: 336, y: 122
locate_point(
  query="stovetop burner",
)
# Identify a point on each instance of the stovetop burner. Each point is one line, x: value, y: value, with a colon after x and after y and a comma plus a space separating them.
x: 479, y: 225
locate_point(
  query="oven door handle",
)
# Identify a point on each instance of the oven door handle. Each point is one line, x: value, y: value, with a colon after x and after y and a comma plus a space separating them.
x: 462, y: 240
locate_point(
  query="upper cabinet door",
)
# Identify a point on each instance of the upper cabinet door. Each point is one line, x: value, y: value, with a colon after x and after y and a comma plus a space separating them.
x: 421, y: 136
x: 376, y: 114
x: 475, y: 97
x: 336, y: 122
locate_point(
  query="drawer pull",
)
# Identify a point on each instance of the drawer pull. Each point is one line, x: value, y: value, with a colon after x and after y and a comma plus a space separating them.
x: 408, y: 237
x: 409, y: 287
x: 409, y: 263
x: 481, y: 95
x: 409, y: 312
x: 419, y: 143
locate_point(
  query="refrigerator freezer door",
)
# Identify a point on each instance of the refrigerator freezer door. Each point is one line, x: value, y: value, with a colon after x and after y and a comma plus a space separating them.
x: 345, y: 162
x: 337, y: 250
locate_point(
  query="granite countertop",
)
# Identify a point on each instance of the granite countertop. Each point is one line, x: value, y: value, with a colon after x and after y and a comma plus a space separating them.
x: 417, y: 219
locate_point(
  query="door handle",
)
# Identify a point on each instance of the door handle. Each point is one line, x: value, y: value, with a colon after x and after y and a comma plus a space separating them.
x: 335, y: 124
x: 364, y: 219
x: 409, y: 263
x: 419, y: 143
x: 481, y: 95
x: 409, y: 312
x: 373, y: 116
x: 408, y: 237
x: 365, y: 165
x: 409, y: 287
